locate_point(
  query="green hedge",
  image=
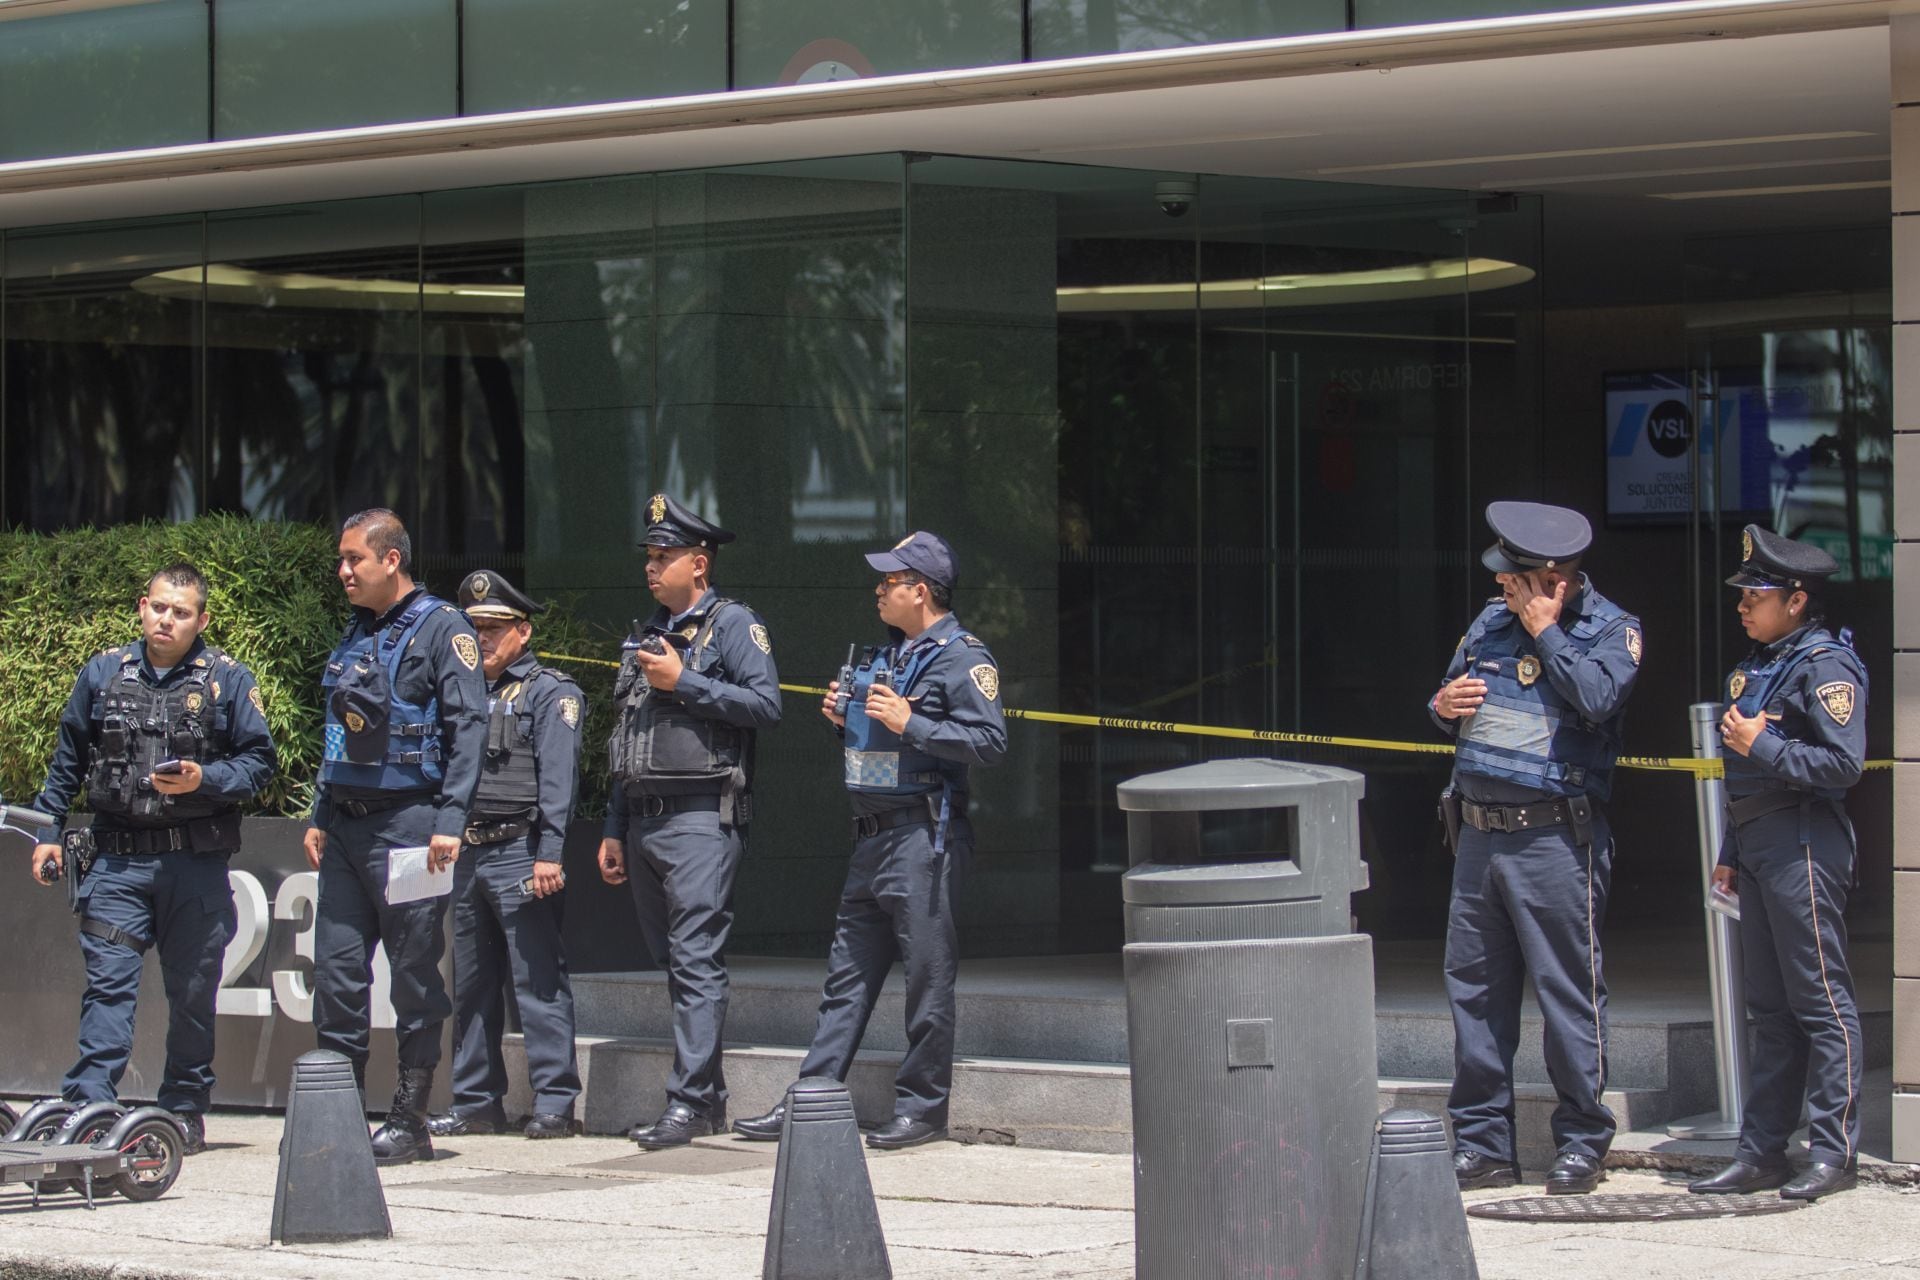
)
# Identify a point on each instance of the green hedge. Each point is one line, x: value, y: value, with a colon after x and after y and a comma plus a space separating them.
x: 276, y: 606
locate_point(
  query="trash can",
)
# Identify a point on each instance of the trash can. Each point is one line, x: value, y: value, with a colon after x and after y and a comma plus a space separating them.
x: 1249, y: 1020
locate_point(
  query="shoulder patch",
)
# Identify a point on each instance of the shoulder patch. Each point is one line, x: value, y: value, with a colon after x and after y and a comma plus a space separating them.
x: 570, y: 712
x: 986, y: 678
x: 1634, y: 644
x: 467, y: 649
x: 253, y: 696
x: 761, y: 640
x: 1837, y: 698
x: 972, y: 639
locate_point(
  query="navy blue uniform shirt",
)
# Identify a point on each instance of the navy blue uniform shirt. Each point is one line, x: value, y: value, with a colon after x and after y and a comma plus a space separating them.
x: 559, y: 710
x: 954, y: 719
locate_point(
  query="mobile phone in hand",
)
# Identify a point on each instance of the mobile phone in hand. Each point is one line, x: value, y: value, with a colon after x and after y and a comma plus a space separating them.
x: 170, y: 766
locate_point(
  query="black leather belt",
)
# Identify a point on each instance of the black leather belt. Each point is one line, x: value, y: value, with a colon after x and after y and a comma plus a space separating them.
x: 114, y: 935
x: 198, y: 836
x: 485, y: 832
x: 1748, y: 808
x: 1516, y: 817
x: 380, y: 804
x: 866, y: 825
x: 657, y: 806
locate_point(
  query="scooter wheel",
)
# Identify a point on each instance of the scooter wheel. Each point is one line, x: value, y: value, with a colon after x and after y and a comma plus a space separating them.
x: 81, y: 1128
x: 157, y: 1152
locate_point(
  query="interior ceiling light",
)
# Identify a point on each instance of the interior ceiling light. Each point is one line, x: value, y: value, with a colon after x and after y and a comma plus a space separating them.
x: 1442, y: 277
x: 243, y: 285
x: 1509, y: 157
x: 1733, y: 193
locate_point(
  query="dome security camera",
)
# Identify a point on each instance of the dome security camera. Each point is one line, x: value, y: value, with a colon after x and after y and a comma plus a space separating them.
x: 1175, y: 198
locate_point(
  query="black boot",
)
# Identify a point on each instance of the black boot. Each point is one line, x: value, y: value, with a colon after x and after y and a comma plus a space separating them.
x: 404, y: 1136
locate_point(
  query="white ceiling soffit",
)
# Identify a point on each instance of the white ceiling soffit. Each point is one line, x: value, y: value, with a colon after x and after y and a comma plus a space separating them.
x: 1568, y: 95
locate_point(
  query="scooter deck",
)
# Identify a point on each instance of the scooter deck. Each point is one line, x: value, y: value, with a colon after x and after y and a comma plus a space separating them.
x: 34, y: 1161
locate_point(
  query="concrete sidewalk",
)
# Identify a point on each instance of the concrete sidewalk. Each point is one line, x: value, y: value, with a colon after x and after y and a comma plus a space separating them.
x: 596, y: 1207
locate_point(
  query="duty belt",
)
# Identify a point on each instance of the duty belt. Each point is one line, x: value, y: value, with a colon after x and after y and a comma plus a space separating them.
x: 656, y: 806
x: 199, y: 836
x: 866, y: 825
x: 498, y: 831
x: 1748, y: 808
x: 380, y: 804
x: 1517, y: 817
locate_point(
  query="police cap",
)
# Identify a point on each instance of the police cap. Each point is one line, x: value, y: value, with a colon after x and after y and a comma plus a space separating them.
x: 1769, y: 560
x: 1533, y: 535
x: 926, y: 554
x: 671, y: 524
x: 485, y: 594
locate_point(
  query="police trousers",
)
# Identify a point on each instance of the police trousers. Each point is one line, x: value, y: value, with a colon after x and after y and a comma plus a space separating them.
x: 1793, y: 947
x: 1529, y: 902
x: 897, y: 904
x: 682, y: 868
x: 181, y: 904
x: 504, y: 935
x: 354, y: 918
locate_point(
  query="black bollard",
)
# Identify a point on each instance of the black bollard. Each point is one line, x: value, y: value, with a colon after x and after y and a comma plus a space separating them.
x: 1416, y: 1228
x: 328, y: 1187
x: 823, y: 1224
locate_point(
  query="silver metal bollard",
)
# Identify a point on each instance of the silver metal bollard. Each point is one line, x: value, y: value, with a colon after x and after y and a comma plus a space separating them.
x: 1726, y: 987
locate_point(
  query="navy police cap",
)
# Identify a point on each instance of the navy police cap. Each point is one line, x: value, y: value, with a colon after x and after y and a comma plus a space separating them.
x: 926, y: 554
x: 485, y: 594
x: 671, y: 524
x: 1768, y: 560
x: 1533, y: 535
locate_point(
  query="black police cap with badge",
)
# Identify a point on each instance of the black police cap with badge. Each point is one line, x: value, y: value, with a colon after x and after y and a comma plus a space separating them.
x: 1534, y: 536
x: 485, y: 594
x: 1771, y: 562
x: 671, y: 524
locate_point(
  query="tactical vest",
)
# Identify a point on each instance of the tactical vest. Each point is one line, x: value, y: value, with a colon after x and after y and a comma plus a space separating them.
x: 137, y: 725
x: 656, y: 739
x: 1751, y: 688
x: 878, y: 761
x: 1525, y: 732
x: 510, y: 777
x: 407, y: 756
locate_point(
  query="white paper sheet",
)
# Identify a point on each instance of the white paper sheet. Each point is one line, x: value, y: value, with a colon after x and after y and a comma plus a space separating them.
x: 411, y: 878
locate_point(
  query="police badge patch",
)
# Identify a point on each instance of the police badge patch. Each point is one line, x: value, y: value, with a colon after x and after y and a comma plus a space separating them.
x: 194, y: 703
x: 657, y: 508
x: 1837, y: 698
x: 986, y: 677
x: 253, y: 696
x: 356, y: 723
x: 480, y: 585
x: 570, y: 712
x: 1736, y: 683
x: 760, y: 638
x: 1746, y: 546
x: 1528, y: 671
x: 1633, y: 644
x: 467, y: 649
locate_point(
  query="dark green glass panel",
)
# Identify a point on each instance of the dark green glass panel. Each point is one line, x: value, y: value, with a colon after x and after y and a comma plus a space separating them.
x: 554, y: 53
x: 1069, y: 28
x: 111, y: 79
x: 293, y: 66
x: 781, y: 42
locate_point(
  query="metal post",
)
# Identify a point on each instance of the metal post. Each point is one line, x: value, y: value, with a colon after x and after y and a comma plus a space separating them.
x: 1726, y: 988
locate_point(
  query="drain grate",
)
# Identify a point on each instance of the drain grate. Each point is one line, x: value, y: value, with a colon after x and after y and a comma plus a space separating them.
x: 1638, y: 1208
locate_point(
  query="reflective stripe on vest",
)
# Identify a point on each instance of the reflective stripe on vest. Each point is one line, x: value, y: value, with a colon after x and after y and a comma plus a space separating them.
x: 876, y: 760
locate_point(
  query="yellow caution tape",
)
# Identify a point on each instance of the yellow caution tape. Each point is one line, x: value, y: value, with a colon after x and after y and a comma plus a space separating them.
x: 1668, y: 764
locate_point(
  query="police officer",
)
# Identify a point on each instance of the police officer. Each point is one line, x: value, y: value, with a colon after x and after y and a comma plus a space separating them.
x: 1534, y: 698
x: 506, y: 904
x: 405, y: 736
x: 1795, y: 738
x: 169, y: 737
x: 922, y: 709
x: 696, y: 683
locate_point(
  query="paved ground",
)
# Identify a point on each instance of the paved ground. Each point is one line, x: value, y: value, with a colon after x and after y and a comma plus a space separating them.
x: 593, y: 1207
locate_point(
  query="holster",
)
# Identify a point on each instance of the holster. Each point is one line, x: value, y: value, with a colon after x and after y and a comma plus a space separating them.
x: 77, y: 849
x: 1450, y: 819
x: 1580, y: 815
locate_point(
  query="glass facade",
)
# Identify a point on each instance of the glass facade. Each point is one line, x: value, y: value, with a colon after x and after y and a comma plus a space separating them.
x: 1222, y: 469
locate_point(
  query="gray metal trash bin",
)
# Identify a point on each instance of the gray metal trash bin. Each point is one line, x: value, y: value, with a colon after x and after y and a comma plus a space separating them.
x: 1249, y: 1020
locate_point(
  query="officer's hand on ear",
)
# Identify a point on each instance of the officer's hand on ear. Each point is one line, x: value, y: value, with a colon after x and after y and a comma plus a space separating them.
x: 826, y: 705
x: 613, y: 861
x: 443, y: 852
x: 315, y: 842
x: 179, y: 784
x: 662, y: 670
x: 1542, y: 609
x: 1738, y: 732
x: 42, y: 855
x: 888, y: 707
x: 1460, y: 696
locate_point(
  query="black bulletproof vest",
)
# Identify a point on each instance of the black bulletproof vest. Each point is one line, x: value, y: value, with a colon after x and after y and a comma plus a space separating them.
x: 136, y: 726
x: 509, y: 779
x: 655, y: 738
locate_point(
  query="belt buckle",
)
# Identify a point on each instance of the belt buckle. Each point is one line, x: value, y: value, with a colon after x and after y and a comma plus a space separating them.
x: 474, y: 835
x: 653, y: 806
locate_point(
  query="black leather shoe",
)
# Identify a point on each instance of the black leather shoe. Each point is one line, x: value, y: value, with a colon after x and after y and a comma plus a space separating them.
x: 193, y: 1132
x: 764, y: 1128
x: 1574, y: 1174
x: 1820, y: 1179
x: 466, y: 1124
x: 1741, y: 1179
x: 549, y: 1124
x: 905, y: 1131
x: 1472, y: 1170
x: 403, y: 1137
x: 677, y: 1126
